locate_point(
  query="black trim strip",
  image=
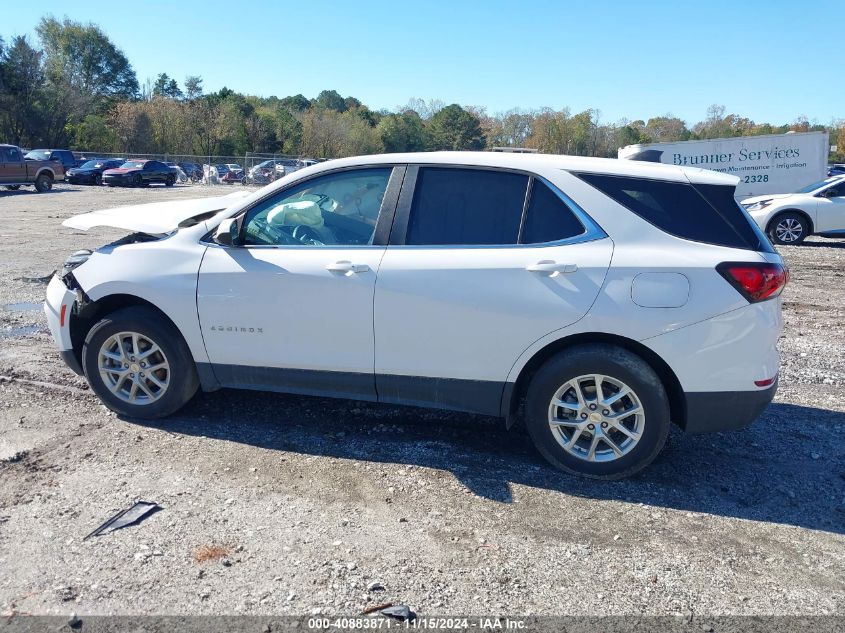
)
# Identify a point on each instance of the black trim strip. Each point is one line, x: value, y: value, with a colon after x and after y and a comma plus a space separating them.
x: 309, y: 382
x: 472, y: 396
x: 387, y: 212
x: 403, y: 208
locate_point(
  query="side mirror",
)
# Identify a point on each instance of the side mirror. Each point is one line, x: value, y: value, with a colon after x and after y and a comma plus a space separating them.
x: 227, y: 233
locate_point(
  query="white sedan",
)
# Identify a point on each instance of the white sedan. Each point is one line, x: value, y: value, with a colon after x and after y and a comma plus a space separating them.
x: 788, y: 218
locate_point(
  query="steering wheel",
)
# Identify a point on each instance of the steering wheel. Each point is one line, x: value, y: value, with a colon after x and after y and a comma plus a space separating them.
x: 307, y: 235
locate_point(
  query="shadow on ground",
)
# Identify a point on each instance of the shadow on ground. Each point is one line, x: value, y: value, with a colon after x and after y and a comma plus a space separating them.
x: 787, y: 468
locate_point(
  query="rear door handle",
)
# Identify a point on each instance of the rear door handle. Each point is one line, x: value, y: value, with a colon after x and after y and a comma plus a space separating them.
x: 550, y: 266
x: 345, y: 266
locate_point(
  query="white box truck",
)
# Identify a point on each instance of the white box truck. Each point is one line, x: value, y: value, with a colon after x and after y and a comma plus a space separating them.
x: 773, y: 163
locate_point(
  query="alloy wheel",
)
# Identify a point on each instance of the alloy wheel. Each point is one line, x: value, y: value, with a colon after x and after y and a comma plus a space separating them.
x: 789, y: 230
x: 134, y: 368
x: 596, y: 418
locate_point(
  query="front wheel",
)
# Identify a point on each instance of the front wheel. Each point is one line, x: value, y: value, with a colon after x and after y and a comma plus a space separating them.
x: 98, y: 180
x: 43, y: 183
x: 789, y: 228
x: 169, y: 181
x: 138, y: 364
x: 598, y: 411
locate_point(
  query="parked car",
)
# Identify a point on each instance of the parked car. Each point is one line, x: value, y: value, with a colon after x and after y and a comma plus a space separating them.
x: 596, y: 299
x: 836, y: 170
x: 218, y: 171
x: 63, y: 156
x: 192, y: 170
x: 789, y: 218
x: 91, y: 172
x: 234, y: 174
x: 17, y: 171
x: 140, y: 173
x: 263, y: 166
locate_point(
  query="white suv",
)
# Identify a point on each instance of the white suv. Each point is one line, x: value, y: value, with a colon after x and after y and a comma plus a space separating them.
x: 595, y: 299
x: 789, y: 218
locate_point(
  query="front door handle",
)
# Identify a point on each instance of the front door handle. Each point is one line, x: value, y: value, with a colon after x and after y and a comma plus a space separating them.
x: 345, y: 266
x: 550, y: 266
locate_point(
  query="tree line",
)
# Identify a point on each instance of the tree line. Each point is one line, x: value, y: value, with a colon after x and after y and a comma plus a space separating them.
x: 75, y: 88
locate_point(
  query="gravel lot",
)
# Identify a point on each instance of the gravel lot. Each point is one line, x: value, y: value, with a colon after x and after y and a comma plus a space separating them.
x: 292, y: 505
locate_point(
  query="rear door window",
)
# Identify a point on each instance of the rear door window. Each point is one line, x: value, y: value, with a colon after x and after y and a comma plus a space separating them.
x: 548, y: 218
x: 456, y: 206
x: 701, y: 213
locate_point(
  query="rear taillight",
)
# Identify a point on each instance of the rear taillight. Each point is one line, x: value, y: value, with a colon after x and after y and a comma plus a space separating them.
x: 756, y: 281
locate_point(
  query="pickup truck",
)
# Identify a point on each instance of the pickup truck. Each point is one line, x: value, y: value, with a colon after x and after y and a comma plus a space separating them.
x: 15, y: 171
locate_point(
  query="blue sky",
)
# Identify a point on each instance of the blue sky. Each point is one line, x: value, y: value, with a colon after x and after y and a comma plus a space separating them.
x: 770, y: 61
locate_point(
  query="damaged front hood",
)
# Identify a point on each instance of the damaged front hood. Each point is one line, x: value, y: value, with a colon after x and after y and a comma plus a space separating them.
x: 156, y: 218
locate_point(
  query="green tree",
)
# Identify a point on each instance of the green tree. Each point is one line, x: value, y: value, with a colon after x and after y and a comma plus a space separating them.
x: 93, y: 133
x: 193, y: 87
x: 164, y: 86
x: 83, y: 57
x: 453, y: 128
x: 403, y: 132
x: 21, y: 100
x: 295, y: 103
x: 331, y: 100
x: 666, y: 128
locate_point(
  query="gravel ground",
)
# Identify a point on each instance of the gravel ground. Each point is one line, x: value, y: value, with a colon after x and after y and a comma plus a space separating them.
x: 278, y: 504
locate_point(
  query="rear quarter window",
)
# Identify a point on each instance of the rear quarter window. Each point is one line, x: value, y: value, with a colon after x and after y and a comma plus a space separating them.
x: 701, y: 213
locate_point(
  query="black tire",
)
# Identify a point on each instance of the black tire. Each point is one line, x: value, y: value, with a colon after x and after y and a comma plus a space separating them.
x: 183, y: 381
x: 13, y: 187
x: 784, y: 228
x: 170, y: 181
x: 137, y: 181
x: 614, y: 363
x: 43, y: 183
x: 98, y: 180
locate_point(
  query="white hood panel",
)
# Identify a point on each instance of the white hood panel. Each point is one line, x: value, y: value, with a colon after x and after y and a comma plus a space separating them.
x: 155, y: 218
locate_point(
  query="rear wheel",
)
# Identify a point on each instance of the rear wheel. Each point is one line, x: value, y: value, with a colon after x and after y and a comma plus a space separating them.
x: 98, y: 179
x: 597, y: 410
x: 170, y: 181
x: 789, y: 228
x: 43, y: 183
x: 138, y: 364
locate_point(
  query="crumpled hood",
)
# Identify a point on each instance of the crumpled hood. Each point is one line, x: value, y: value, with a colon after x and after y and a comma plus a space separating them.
x: 156, y: 218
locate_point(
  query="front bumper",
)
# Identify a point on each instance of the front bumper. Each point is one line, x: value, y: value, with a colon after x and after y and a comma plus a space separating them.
x: 117, y: 180
x: 57, y: 308
x: 80, y: 179
x: 713, y: 411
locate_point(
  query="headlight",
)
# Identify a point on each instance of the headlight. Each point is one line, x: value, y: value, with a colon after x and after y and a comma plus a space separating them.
x: 758, y: 206
x: 75, y: 260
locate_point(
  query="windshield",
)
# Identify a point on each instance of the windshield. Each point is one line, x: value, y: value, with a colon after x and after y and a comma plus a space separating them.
x: 38, y: 154
x: 132, y: 164
x: 91, y: 164
x: 817, y: 185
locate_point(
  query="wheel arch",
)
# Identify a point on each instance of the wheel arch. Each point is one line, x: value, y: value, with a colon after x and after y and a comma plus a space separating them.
x: 81, y: 321
x: 800, y: 212
x: 514, y: 394
x: 46, y: 171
